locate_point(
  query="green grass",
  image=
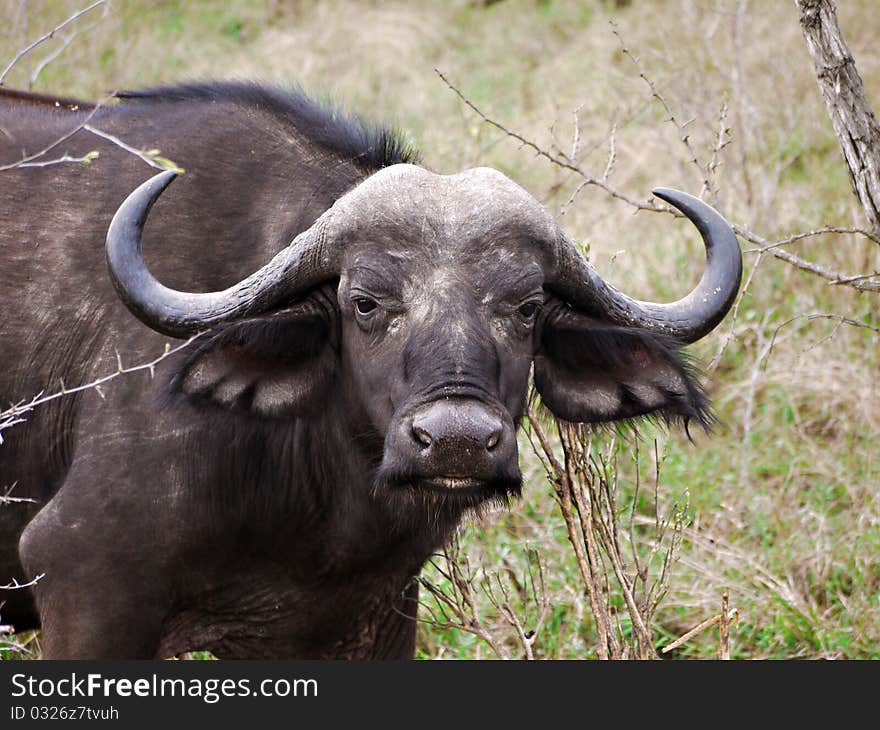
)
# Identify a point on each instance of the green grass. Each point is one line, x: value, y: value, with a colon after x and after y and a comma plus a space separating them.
x: 784, y: 514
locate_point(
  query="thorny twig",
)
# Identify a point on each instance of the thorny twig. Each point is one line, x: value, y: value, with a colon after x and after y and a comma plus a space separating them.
x: 561, y: 161
x: 856, y: 282
x: 585, y: 482
x: 559, y: 476
x: 151, y: 157
x: 87, y: 158
x: 14, y: 413
x: 859, y: 282
x: 15, y: 585
x: 7, y: 498
x: 680, y: 126
x: 839, y: 318
x: 794, y: 238
x: 454, y: 605
x: 27, y: 160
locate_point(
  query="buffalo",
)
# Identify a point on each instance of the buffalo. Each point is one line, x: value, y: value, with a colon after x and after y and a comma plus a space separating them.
x: 272, y: 490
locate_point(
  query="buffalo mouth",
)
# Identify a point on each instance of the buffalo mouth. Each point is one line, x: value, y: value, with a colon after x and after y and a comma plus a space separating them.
x: 453, y: 483
x: 470, y: 489
x: 430, y: 506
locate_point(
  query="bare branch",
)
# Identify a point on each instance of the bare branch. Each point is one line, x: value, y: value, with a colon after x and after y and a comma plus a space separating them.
x: 856, y: 282
x: 42, y: 39
x: 151, y: 157
x: 731, y: 615
x: 839, y: 318
x: 67, y: 40
x: 27, y: 159
x: 13, y: 415
x: 517, y: 600
x: 87, y: 158
x: 748, y: 235
x: 860, y: 282
x: 724, y: 628
x: 680, y: 126
x: 734, y: 314
x: 722, y: 139
x: 587, y: 491
x: 15, y: 585
x: 7, y: 498
x: 562, y: 162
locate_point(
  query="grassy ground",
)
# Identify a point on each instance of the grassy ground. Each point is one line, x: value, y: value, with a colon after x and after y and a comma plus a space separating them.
x: 780, y: 505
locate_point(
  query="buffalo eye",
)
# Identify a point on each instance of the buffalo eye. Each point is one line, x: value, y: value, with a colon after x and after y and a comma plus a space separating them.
x: 364, y: 306
x: 528, y: 310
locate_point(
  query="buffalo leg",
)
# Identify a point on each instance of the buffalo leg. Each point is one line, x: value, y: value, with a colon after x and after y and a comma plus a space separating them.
x: 96, y: 600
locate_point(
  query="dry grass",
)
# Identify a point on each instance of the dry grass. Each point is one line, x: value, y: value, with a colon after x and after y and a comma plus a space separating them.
x: 784, y: 511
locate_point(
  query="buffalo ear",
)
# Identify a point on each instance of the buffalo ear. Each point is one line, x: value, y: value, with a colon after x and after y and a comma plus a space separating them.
x: 588, y: 371
x: 279, y: 365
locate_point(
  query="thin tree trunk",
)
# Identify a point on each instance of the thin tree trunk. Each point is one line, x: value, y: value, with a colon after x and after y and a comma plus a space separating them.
x: 851, y: 115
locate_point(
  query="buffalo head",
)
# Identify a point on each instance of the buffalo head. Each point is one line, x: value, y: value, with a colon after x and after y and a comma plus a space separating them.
x: 424, y: 300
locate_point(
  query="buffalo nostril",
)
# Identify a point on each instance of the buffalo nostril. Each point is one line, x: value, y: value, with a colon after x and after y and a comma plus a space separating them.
x: 493, y: 440
x: 421, y: 435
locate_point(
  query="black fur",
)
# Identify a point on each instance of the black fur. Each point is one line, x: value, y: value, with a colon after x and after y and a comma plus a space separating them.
x: 349, y: 136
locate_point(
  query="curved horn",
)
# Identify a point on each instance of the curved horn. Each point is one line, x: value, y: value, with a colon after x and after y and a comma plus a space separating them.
x: 688, y: 319
x: 306, y: 262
